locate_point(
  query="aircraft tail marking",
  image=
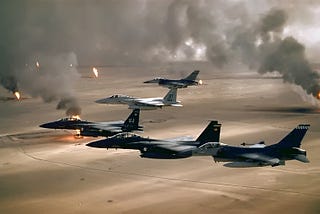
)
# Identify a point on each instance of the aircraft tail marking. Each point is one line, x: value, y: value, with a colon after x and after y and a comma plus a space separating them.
x: 192, y: 76
x: 211, y: 133
x: 171, y: 96
x: 132, y: 122
x: 294, y: 138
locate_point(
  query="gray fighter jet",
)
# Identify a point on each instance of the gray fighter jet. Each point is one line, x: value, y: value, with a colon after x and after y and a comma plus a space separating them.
x: 160, y: 149
x: 170, y: 99
x: 95, y: 129
x: 258, y: 154
x: 181, y: 83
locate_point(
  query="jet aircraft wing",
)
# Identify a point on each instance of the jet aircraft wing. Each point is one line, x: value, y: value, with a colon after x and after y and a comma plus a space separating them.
x: 182, y: 138
x: 149, y: 102
x: 260, y: 157
x: 175, y: 148
x: 106, y: 126
x: 170, y: 147
x: 177, y: 84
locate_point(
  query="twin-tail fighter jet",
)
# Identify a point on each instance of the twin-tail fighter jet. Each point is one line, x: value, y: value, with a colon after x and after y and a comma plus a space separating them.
x: 160, y: 149
x: 95, y: 129
x: 181, y: 83
x: 170, y: 99
x: 258, y: 154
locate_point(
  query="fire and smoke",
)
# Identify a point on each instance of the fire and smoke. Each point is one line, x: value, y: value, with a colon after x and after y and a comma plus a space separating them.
x: 95, y: 71
x: 131, y: 32
x: 55, y: 81
x: 71, y: 105
x: 37, y: 65
x: 17, y: 94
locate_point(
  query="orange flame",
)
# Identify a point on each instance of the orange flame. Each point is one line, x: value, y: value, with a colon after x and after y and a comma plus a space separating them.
x: 200, y: 82
x: 318, y: 95
x: 95, y: 71
x: 78, y: 134
x: 17, y: 94
x: 76, y: 117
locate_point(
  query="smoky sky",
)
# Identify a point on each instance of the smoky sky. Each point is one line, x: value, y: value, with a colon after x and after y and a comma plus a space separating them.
x: 58, y: 33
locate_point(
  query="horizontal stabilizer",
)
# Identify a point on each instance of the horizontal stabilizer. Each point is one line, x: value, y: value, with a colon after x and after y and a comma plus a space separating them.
x: 262, y: 158
x: 176, y: 105
x: 301, y: 158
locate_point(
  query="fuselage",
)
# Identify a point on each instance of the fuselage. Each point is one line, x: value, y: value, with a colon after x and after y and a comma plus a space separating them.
x: 137, y: 103
x: 183, y: 83
x: 150, y: 148
x: 66, y: 123
x: 172, y: 83
x: 227, y: 153
x: 86, y: 128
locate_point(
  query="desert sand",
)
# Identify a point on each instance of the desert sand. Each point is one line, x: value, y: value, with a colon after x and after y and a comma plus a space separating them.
x: 48, y: 171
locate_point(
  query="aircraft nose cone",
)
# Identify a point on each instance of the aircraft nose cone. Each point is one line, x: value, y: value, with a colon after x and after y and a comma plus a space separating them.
x: 47, y: 125
x: 151, y: 81
x: 93, y: 144
x: 101, y: 101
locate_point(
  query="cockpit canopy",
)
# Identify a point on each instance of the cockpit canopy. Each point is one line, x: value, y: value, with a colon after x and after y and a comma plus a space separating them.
x: 124, y: 135
x: 119, y: 96
x: 70, y: 119
x: 211, y: 145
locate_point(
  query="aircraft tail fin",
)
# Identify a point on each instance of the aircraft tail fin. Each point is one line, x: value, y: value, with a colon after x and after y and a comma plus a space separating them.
x: 132, y: 122
x: 294, y: 138
x: 171, y: 96
x: 193, y: 75
x: 211, y: 133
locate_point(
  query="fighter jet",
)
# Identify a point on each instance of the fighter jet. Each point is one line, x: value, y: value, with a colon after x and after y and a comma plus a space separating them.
x: 181, y: 83
x: 95, y: 129
x: 160, y: 149
x: 258, y: 154
x: 170, y: 99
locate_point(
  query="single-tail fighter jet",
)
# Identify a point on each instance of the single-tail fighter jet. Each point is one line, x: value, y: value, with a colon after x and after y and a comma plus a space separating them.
x: 181, y: 83
x: 160, y: 149
x: 95, y: 129
x: 170, y: 99
x: 258, y: 154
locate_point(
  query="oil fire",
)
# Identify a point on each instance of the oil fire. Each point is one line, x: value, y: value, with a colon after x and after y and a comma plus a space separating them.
x: 76, y: 117
x: 17, y: 94
x: 78, y: 134
x: 37, y: 64
x: 318, y: 95
x: 200, y: 82
x: 95, y: 71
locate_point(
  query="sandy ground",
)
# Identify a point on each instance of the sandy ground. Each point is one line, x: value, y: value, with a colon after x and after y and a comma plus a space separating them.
x: 45, y: 171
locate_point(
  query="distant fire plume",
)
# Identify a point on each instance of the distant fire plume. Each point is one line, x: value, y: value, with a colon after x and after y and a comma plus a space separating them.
x: 75, y: 117
x: 95, y: 71
x: 38, y: 64
x: 17, y: 94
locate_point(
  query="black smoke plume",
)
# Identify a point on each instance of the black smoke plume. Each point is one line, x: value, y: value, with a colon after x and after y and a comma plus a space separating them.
x: 71, y: 105
x: 130, y: 32
x: 288, y: 58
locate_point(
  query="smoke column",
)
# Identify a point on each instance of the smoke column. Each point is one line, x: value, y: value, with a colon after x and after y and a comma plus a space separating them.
x: 129, y: 32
